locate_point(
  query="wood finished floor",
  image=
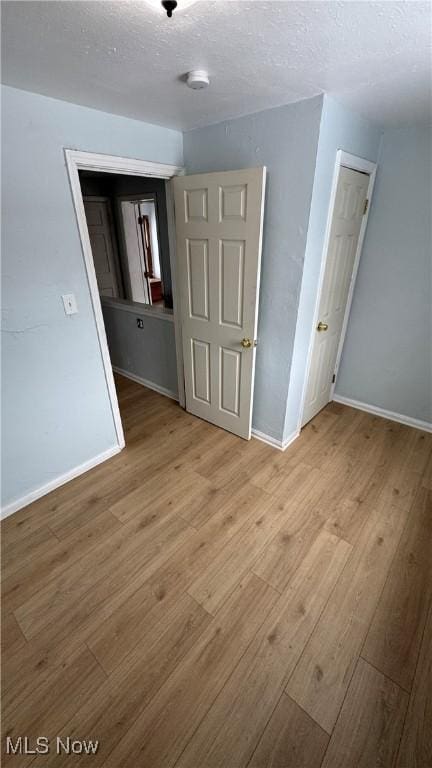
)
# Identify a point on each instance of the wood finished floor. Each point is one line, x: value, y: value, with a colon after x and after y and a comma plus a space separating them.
x: 200, y: 601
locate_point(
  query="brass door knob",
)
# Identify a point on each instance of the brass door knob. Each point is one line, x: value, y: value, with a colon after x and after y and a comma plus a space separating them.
x: 322, y: 326
x: 247, y: 343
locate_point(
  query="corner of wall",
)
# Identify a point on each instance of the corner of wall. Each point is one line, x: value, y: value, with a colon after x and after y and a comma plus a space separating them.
x: 339, y: 129
x: 292, y: 423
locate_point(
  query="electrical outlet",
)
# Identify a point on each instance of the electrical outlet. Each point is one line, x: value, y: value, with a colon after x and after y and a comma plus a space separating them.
x: 69, y: 303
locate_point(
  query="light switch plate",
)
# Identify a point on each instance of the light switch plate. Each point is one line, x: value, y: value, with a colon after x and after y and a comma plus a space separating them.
x: 69, y: 303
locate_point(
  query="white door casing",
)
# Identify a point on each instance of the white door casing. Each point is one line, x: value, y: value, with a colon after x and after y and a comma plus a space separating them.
x: 348, y: 213
x: 102, y: 245
x: 219, y: 219
x: 75, y: 161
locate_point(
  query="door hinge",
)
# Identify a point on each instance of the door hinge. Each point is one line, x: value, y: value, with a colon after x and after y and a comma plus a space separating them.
x: 366, y: 206
x: 333, y: 378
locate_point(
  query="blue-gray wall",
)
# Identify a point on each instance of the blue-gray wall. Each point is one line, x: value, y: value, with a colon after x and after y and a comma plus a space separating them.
x: 55, y: 407
x: 386, y: 360
x: 56, y: 411
x: 147, y: 352
x: 340, y: 129
x: 285, y: 140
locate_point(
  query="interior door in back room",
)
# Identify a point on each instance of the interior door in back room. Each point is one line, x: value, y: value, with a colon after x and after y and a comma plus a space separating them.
x: 219, y: 221
x: 102, y: 240
x: 349, y: 209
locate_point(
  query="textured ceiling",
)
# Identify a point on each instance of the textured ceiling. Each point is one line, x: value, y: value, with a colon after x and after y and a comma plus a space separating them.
x: 128, y: 58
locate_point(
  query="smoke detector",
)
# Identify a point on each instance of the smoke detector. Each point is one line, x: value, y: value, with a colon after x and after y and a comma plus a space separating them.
x: 197, y: 79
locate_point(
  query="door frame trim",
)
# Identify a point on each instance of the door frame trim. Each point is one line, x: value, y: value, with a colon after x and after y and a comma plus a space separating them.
x: 75, y: 161
x: 346, y: 160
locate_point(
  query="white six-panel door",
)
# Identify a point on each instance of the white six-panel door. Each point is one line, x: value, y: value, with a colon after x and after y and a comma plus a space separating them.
x: 349, y: 209
x: 219, y: 218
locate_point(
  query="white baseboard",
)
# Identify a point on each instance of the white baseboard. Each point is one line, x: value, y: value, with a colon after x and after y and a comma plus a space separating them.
x: 17, y: 504
x: 145, y: 383
x: 281, y: 445
x: 267, y: 439
x: 408, y: 420
x: 290, y: 439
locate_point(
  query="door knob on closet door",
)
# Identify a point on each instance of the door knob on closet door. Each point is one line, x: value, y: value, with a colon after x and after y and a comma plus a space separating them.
x: 322, y: 326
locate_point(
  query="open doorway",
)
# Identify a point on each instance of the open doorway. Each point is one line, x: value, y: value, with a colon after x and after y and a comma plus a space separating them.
x: 128, y: 229
x: 128, y: 330
x: 143, y: 267
x: 127, y: 225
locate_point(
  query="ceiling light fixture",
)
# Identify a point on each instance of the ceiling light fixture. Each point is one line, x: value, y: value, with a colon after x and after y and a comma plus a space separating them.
x: 169, y: 6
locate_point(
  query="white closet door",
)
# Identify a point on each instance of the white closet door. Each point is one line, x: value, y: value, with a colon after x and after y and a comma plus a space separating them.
x: 349, y: 209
